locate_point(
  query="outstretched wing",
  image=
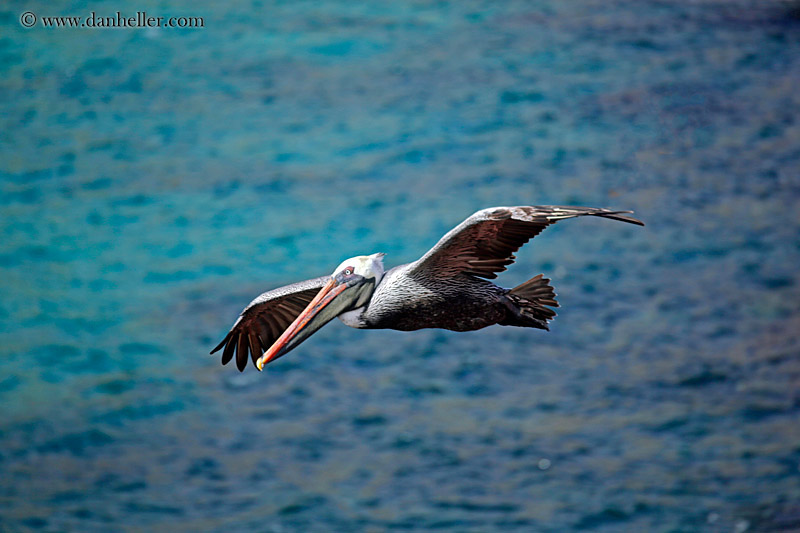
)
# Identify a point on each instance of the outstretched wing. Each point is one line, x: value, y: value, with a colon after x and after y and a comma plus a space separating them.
x: 484, y: 244
x: 263, y: 321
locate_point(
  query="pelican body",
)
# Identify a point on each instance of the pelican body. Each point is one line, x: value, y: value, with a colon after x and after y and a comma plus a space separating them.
x: 446, y: 288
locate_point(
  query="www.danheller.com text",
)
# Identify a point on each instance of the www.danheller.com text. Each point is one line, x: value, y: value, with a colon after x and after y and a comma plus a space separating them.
x: 141, y: 19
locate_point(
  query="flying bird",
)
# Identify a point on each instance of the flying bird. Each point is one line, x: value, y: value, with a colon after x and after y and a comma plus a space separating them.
x: 446, y: 288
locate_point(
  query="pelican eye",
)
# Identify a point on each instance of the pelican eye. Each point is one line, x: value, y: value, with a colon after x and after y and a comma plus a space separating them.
x: 348, y: 271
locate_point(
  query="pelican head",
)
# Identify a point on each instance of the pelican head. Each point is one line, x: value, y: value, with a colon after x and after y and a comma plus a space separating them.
x: 350, y: 287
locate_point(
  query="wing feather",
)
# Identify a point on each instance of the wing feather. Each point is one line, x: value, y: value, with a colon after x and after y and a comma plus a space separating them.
x: 241, y: 351
x: 263, y: 332
x: 230, y: 346
x: 255, y: 345
x: 484, y: 244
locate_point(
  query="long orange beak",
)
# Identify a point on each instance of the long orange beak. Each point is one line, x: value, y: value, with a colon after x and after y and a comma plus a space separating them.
x: 325, y: 296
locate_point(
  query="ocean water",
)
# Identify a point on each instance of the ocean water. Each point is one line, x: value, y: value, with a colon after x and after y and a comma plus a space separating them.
x: 153, y: 181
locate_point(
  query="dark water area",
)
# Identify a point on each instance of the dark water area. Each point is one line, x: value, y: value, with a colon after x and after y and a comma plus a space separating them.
x: 153, y: 181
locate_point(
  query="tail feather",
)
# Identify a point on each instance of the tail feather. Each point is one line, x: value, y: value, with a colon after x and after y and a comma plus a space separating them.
x: 536, y: 288
x: 530, y: 304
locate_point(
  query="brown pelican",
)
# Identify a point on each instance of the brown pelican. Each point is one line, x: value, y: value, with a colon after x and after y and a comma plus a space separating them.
x: 445, y: 288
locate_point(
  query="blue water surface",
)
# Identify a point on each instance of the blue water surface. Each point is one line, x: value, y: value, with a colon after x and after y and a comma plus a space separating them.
x: 153, y: 181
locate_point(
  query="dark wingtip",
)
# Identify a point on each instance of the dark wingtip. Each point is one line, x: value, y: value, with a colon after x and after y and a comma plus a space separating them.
x: 227, y: 355
x: 241, y: 353
x: 620, y: 215
x: 255, y: 348
x: 221, y: 344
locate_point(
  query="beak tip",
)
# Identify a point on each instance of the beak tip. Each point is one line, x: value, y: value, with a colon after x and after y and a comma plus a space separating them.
x: 260, y: 364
